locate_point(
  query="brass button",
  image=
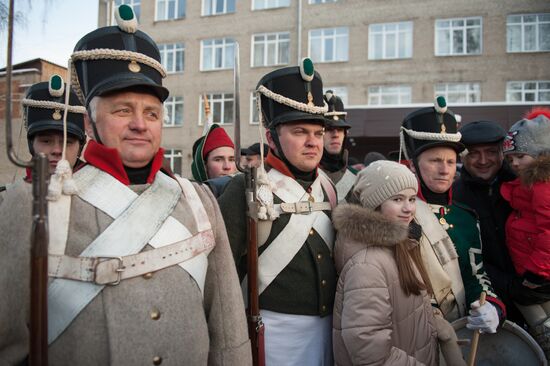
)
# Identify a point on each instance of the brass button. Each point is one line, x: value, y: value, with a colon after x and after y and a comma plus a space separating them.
x: 148, y: 275
x: 323, y: 308
x: 451, y: 226
x: 311, y: 232
x: 323, y: 283
x: 155, y: 314
x: 157, y: 360
x: 319, y: 256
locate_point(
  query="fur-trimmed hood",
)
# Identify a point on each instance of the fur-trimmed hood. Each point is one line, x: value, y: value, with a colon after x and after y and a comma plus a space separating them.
x: 538, y: 171
x: 358, y: 227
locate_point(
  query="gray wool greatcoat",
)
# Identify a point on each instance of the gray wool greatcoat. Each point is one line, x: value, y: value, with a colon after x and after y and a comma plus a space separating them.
x: 162, y: 319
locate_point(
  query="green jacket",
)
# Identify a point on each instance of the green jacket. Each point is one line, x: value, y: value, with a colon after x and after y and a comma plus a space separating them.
x: 307, y: 285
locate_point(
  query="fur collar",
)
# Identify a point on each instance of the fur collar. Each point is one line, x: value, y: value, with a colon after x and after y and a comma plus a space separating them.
x: 537, y: 172
x: 366, y: 226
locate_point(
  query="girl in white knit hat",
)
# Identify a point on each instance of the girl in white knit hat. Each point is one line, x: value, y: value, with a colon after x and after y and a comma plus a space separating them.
x: 382, y: 311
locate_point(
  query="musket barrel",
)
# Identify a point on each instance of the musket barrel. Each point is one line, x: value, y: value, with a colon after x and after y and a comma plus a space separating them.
x: 38, y: 351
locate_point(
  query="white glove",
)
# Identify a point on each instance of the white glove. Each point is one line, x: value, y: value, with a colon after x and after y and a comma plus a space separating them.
x: 483, y: 318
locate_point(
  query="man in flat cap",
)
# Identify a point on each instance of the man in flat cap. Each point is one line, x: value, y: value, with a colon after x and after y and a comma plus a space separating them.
x: 141, y: 271
x: 296, y: 273
x: 335, y: 157
x: 252, y: 155
x: 450, y: 242
x: 483, y: 172
x: 43, y: 118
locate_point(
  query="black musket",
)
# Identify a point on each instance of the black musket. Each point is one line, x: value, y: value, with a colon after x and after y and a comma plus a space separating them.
x: 255, y: 325
x: 38, y: 347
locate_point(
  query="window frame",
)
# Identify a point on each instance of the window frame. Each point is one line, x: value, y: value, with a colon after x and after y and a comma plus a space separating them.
x: 214, y: 47
x: 254, y: 8
x: 324, y: 37
x: 266, y: 43
x: 465, y: 27
x: 172, y: 102
x: 211, y: 102
x: 525, y: 91
x: 318, y: 2
x: 382, y: 93
x: 173, y: 52
x: 171, y: 155
x: 213, y: 6
x: 523, y: 24
x: 468, y: 92
x: 385, y: 34
x: 176, y: 8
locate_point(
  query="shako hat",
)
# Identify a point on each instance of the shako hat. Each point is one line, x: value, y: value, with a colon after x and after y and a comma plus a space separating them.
x: 44, y: 104
x: 336, y: 115
x: 482, y: 132
x: 115, y: 58
x: 292, y: 94
x: 214, y: 138
x: 430, y: 127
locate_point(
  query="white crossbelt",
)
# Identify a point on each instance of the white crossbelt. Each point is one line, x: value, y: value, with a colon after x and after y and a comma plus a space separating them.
x: 148, y: 216
x: 344, y: 185
x: 289, y: 241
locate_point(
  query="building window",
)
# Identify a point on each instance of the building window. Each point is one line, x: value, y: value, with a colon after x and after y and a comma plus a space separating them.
x: 340, y: 91
x: 271, y: 49
x: 175, y: 158
x: 171, y: 56
x: 170, y: 9
x: 528, y: 91
x: 173, y: 112
x: 217, y: 7
x: 134, y: 4
x: 459, y: 92
x: 269, y: 4
x: 528, y: 32
x: 217, y: 54
x: 397, y: 94
x: 322, y: 1
x: 329, y: 45
x: 390, y: 41
x: 221, y: 107
x: 461, y: 36
x: 254, y: 112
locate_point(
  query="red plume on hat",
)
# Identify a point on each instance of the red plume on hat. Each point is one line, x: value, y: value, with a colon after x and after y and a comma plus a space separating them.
x: 216, y: 138
x: 538, y: 111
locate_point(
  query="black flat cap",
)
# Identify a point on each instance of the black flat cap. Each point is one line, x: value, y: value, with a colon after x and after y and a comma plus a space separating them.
x: 482, y: 132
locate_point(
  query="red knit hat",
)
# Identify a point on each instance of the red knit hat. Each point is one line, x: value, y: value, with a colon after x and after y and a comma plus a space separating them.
x: 216, y: 138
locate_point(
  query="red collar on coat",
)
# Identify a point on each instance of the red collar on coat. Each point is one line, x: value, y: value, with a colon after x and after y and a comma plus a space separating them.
x: 278, y: 164
x: 109, y: 161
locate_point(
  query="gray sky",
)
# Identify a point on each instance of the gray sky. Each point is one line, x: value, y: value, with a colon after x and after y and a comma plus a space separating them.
x: 52, y: 29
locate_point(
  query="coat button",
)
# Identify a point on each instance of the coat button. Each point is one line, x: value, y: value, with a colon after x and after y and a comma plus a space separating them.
x: 155, y: 314
x: 323, y: 308
x: 157, y: 360
x: 148, y: 275
x: 319, y: 256
x: 323, y: 283
x: 311, y: 232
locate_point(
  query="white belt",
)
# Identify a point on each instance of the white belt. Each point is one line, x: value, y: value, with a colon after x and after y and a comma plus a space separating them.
x: 302, y: 207
x: 112, y: 270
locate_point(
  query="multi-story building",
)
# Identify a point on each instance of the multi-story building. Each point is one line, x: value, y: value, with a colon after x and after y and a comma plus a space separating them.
x: 24, y: 75
x: 379, y: 55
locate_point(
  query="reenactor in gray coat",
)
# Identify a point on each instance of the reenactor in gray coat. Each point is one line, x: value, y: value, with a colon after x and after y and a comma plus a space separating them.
x: 296, y: 273
x: 139, y: 262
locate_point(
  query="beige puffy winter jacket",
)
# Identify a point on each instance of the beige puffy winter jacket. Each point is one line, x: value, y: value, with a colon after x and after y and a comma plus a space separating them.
x: 374, y: 322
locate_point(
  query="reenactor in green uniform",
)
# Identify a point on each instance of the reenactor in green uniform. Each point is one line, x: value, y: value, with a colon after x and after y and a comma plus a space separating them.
x: 297, y: 277
x: 450, y: 243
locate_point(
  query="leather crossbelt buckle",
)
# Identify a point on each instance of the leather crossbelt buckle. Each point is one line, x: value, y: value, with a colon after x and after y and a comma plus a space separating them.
x: 106, y: 264
x: 303, y: 207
